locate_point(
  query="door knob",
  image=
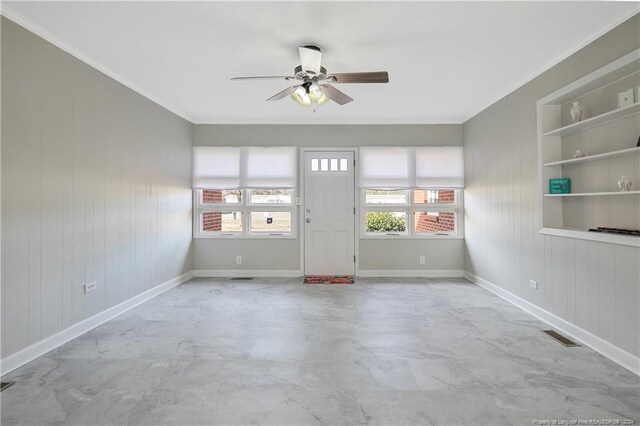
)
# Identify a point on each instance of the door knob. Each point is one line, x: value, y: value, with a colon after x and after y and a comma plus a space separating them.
x: 308, y: 220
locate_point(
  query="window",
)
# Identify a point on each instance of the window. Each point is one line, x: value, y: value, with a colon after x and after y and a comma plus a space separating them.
x: 244, y: 213
x: 329, y: 165
x: 244, y: 192
x: 391, y: 207
x: 411, y: 213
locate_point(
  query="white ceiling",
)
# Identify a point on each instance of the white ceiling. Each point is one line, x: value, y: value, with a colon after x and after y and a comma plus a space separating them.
x: 446, y: 61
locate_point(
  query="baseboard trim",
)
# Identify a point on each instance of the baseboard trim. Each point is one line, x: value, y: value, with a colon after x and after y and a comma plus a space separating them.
x: 421, y: 273
x: 248, y: 273
x: 607, y: 349
x: 45, y: 345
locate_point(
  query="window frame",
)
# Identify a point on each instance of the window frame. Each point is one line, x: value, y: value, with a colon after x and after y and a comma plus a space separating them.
x: 246, y: 208
x: 410, y: 207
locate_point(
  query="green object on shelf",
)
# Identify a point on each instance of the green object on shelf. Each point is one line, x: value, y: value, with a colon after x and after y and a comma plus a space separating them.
x: 560, y: 186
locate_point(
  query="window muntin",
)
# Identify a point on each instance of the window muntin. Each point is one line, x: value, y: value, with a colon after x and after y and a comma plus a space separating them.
x: 329, y: 165
x: 243, y: 213
x: 424, y: 212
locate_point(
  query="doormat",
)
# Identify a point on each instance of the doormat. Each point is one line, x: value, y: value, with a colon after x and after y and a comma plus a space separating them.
x: 328, y: 279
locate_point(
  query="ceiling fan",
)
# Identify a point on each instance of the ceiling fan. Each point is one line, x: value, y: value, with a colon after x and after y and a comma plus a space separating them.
x: 314, y: 88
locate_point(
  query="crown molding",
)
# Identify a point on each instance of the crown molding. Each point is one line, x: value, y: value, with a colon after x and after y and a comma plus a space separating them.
x: 45, y: 34
x: 70, y: 49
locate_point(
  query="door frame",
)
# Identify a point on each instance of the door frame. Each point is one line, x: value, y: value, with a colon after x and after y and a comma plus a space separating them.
x: 356, y: 219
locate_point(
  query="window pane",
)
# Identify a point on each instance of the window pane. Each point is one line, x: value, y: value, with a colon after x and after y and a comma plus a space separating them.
x: 324, y: 164
x: 343, y: 164
x: 434, y: 222
x: 314, y: 164
x: 435, y: 196
x: 225, y: 196
x: 376, y: 196
x: 384, y: 222
x: 222, y: 221
x: 271, y: 222
x: 334, y: 164
x: 271, y: 196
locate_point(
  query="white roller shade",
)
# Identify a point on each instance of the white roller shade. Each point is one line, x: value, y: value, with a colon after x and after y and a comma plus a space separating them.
x: 268, y: 167
x: 216, y: 167
x: 440, y: 167
x: 387, y: 167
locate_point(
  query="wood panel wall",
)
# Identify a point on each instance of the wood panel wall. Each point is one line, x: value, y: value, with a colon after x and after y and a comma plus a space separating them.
x: 95, y: 187
x: 593, y: 285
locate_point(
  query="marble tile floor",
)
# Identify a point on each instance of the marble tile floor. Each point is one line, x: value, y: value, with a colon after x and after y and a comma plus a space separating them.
x: 277, y: 352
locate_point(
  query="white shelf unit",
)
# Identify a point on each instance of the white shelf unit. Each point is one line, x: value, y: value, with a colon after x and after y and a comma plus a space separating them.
x: 598, y: 120
x: 593, y: 194
x: 608, y: 135
x: 610, y: 154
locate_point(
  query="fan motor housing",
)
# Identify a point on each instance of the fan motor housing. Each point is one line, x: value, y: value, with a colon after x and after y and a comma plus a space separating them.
x: 301, y: 75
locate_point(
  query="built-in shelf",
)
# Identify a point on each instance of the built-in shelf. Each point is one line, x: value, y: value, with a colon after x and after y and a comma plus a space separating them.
x: 593, y: 194
x: 582, y: 234
x: 598, y: 120
x: 618, y: 153
x: 607, y: 135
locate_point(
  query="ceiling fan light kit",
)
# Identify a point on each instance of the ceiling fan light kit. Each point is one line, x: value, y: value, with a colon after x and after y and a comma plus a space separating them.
x: 315, y: 89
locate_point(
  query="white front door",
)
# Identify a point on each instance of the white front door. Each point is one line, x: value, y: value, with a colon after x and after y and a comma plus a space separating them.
x: 329, y: 213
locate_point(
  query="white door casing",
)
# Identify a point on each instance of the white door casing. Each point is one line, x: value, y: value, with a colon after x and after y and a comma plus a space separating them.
x: 329, y: 215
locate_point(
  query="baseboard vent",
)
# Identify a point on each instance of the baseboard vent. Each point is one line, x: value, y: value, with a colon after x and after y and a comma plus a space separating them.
x: 4, y: 385
x: 241, y: 278
x: 560, y: 338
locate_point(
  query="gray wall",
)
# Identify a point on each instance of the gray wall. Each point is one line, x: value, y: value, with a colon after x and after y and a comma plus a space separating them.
x: 95, y: 186
x: 593, y: 285
x: 285, y: 254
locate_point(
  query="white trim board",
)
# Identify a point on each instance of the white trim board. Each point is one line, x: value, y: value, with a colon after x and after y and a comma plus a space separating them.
x: 609, y: 350
x: 246, y: 273
x: 402, y: 273
x: 50, y: 343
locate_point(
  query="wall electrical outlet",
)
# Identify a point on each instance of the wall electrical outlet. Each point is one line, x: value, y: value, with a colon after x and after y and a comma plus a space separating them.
x: 422, y: 260
x: 533, y: 284
x: 238, y: 260
x: 90, y: 286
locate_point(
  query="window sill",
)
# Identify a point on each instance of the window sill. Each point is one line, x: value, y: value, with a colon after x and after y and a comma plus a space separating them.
x: 411, y: 237
x: 246, y: 237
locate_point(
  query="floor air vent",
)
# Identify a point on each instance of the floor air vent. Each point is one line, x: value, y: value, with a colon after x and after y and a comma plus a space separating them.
x: 560, y: 338
x: 241, y: 279
x: 4, y: 385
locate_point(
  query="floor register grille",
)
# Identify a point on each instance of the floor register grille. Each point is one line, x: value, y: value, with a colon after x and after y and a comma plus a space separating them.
x: 560, y: 338
x: 5, y: 385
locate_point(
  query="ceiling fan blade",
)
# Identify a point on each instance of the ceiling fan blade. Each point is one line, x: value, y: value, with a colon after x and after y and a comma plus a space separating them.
x: 335, y: 95
x: 265, y: 77
x: 286, y: 92
x: 310, y: 58
x: 360, y: 77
